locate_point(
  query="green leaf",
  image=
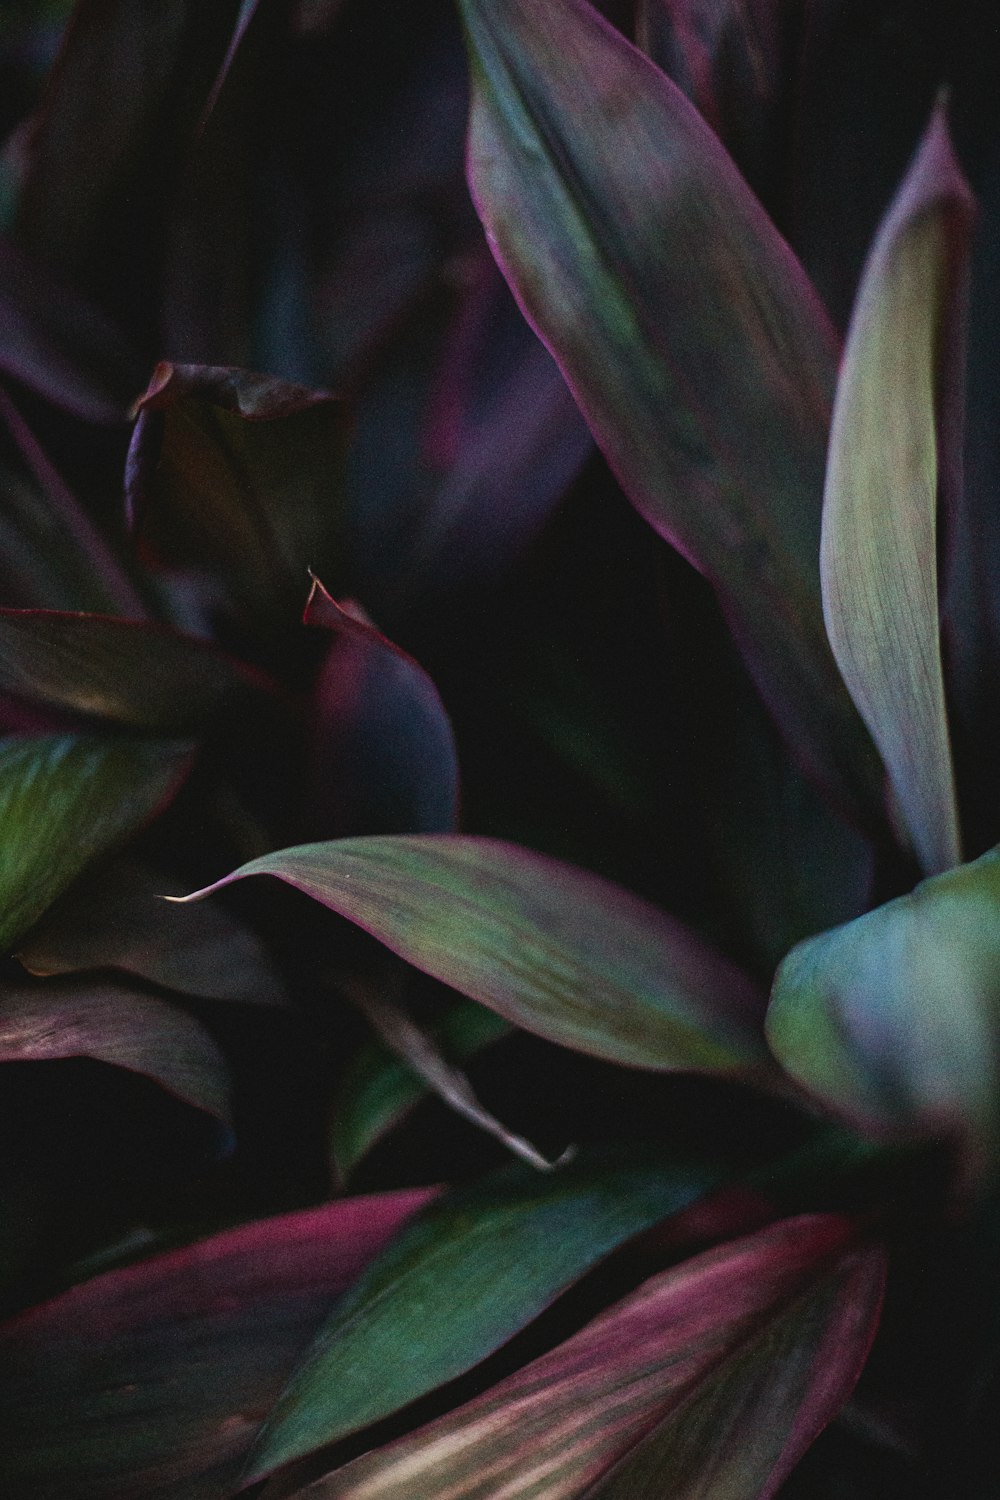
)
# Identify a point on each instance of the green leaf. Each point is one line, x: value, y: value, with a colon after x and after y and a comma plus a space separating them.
x: 144, y: 676
x: 65, y: 799
x: 687, y: 1361
x: 549, y: 947
x: 378, y: 1090
x: 893, y: 1020
x: 685, y: 328
x: 461, y: 1280
x: 879, y: 546
x: 114, y: 1024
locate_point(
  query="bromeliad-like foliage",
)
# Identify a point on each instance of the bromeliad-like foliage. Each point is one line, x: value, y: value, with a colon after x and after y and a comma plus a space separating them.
x: 677, y: 1288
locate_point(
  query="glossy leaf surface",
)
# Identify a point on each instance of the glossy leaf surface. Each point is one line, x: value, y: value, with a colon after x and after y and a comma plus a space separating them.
x: 684, y: 327
x: 115, y: 919
x: 894, y: 1019
x: 107, y: 1021
x: 549, y: 947
x: 879, y: 545
x: 378, y: 1090
x: 206, y: 1336
x: 689, y: 1348
x: 139, y: 675
x: 510, y: 1243
x: 384, y: 757
x: 65, y: 799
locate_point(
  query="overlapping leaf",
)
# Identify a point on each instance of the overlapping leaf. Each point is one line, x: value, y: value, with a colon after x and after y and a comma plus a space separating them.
x: 894, y: 1019
x: 114, y: 919
x: 879, y: 544
x: 511, y: 1243
x: 689, y: 1354
x: 65, y: 799
x: 139, y: 675
x: 384, y: 757
x: 551, y: 948
x: 203, y: 1337
x: 108, y: 1021
x: 684, y: 327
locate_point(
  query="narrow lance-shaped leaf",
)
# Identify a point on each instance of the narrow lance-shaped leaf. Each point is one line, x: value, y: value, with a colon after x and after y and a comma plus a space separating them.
x: 690, y: 1353
x: 125, y: 1027
x: 552, y: 948
x: 511, y: 1243
x: 893, y: 1020
x: 207, y: 1335
x: 879, y: 547
x: 64, y: 799
x: 685, y: 328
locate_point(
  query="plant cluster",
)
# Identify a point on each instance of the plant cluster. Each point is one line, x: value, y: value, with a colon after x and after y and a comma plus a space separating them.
x: 522, y: 476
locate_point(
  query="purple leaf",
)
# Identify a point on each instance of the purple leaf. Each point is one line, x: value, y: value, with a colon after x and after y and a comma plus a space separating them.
x: 383, y: 750
x: 725, y: 1367
x: 113, y: 919
x: 207, y: 1336
x: 685, y: 328
x: 549, y: 947
x: 879, y: 548
x: 127, y: 1028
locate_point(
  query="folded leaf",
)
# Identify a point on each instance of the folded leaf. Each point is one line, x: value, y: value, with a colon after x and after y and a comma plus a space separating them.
x: 549, y: 947
x: 64, y: 799
x: 144, y: 676
x: 114, y: 919
x: 510, y: 1243
x: 692, y: 1348
x: 107, y: 1021
x: 236, y: 472
x: 684, y: 327
x: 879, y: 546
x: 893, y: 1020
x: 383, y: 750
x: 378, y: 1090
x: 204, y: 1336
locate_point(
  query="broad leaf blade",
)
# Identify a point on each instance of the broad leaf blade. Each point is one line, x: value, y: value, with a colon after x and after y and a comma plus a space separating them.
x: 206, y: 1335
x: 684, y: 327
x: 64, y: 799
x: 113, y: 1024
x: 114, y: 919
x: 143, y: 676
x: 383, y: 750
x: 510, y: 1244
x: 563, y: 1423
x: 879, y: 546
x: 549, y: 947
x: 893, y: 1020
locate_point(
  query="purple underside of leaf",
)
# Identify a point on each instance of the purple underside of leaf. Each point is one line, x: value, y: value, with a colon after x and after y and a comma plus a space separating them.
x: 145, y: 676
x: 879, y: 546
x: 383, y: 750
x: 111, y: 1023
x: 551, y: 948
x: 206, y: 1335
x: 685, y: 328
x: 685, y: 1353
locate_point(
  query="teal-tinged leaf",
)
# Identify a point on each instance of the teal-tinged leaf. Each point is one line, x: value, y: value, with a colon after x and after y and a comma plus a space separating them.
x: 65, y: 799
x: 893, y: 1020
x: 549, y: 947
x: 204, y: 1336
x: 461, y: 1280
x: 112, y: 918
x: 685, y: 1361
x: 685, y: 328
x: 144, y: 676
x: 879, y: 546
x: 114, y: 1024
x: 378, y: 1090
